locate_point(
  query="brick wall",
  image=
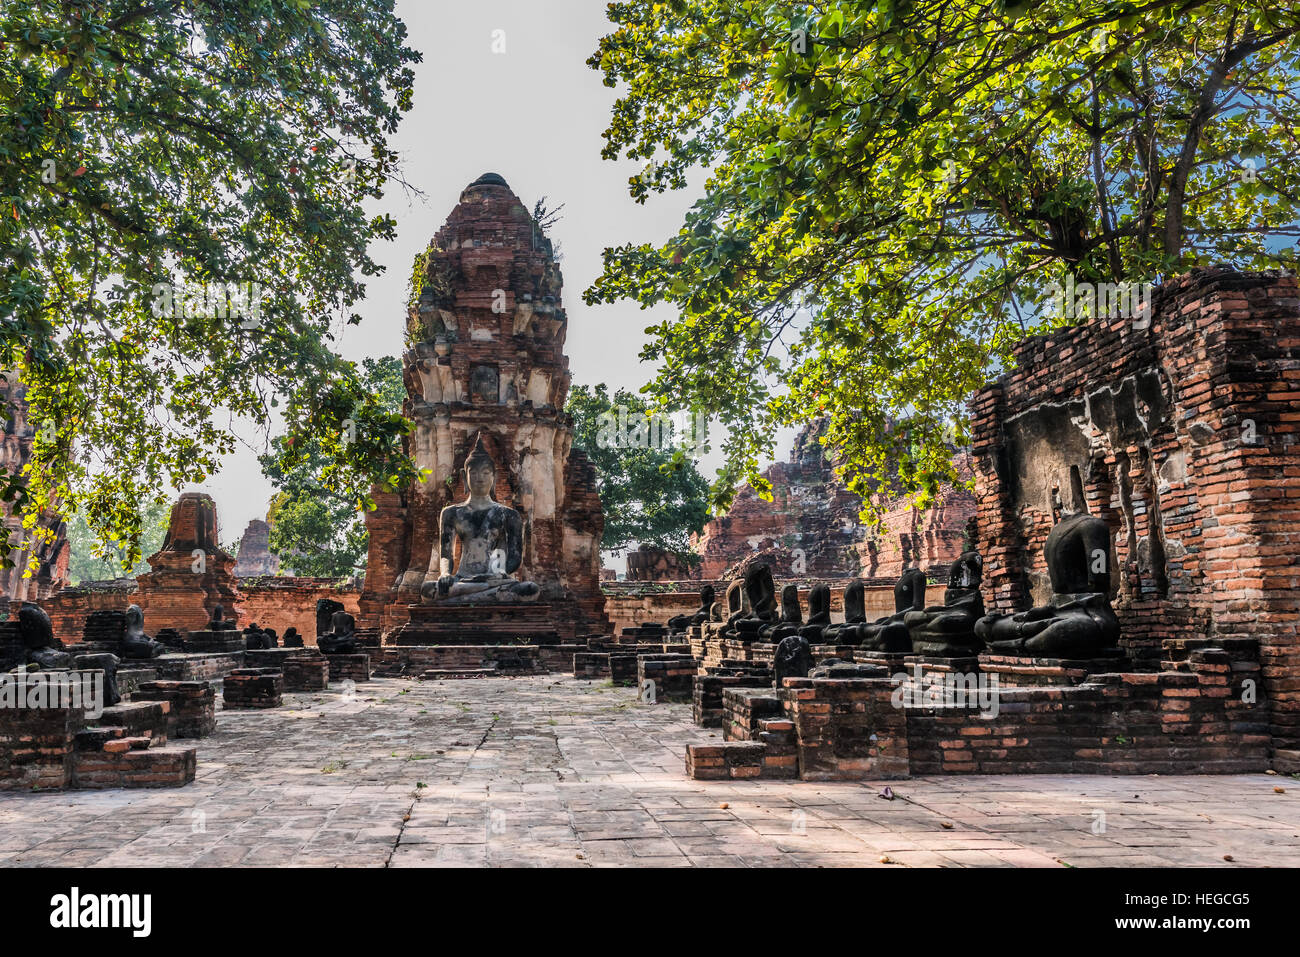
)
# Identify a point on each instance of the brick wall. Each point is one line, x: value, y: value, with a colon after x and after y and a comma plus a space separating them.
x: 1183, y: 437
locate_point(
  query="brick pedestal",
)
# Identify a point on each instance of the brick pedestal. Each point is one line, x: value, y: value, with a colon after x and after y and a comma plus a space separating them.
x: 252, y: 688
x: 193, y: 706
x: 354, y: 668
x: 306, y: 673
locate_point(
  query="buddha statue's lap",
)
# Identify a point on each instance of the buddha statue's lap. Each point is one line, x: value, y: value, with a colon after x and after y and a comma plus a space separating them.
x: 680, y: 623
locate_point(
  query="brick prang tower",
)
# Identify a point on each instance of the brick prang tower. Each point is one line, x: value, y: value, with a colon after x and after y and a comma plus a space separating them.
x: 485, y: 354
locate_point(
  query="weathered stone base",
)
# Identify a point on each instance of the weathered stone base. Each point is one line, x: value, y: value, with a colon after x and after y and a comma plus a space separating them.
x: 707, y: 691
x: 193, y: 706
x: 306, y: 673
x: 355, y: 668
x: 1188, y: 718
x: 215, y: 642
x: 252, y: 688
x: 527, y: 623
x: 666, y: 677
x: 197, y: 667
x: 54, y: 749
x: 458, y: 661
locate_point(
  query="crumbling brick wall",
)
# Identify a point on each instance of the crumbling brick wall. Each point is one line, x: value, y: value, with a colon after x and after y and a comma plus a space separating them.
x: 1182, y: 436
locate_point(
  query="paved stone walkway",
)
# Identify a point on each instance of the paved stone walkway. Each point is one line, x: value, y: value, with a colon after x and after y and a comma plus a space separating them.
x: 551, y: 771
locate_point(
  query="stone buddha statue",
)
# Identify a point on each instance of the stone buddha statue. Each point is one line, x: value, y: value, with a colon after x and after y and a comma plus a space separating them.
x: 791, y: 617
x: 680, y: 623
x: 819, y: 613
x: 793, y: 659
x: 1078, y: 622
x: 136, y: 644
x: 491, y: 538
x: 760, y: 592
x: 723, y: 624
x: 255, y: 638
x: 948, y: 630
x: 219, y: 621
x: 341, y: 639
x: 855, y: 613
x: 890, y: 633
x: 37, y: 634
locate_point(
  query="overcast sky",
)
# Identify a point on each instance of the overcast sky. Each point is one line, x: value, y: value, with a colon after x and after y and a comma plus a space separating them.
x: 534, y: 114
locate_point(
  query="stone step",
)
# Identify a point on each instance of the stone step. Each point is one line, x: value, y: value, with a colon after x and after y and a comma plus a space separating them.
x: 442, y: 674
x: 157, y: 767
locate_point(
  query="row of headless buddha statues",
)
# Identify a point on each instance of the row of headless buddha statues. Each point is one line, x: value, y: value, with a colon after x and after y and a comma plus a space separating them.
x: 1077, y: 622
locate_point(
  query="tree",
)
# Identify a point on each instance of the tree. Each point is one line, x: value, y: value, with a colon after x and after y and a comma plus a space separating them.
x: 181, y: 213
x: 317, y: 528
x: 899, y: 190
x: 89, y: 560
x: 650, y: 488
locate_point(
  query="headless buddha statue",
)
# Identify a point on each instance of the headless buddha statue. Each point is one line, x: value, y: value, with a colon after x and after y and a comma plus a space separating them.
x: 855, y: 613
x: 1078, y: 622
x: 793, y: 659
x: 791, y: 617
x: 37, y: 635
x: 948, y: 630
x: 723, y: 623
x: 135, y: 643
x: 680, y: 623
x: 341, y: 639
x: 760, y: 591
x: 819, y: 613
x: 890, y: 633
x: 491, y: 538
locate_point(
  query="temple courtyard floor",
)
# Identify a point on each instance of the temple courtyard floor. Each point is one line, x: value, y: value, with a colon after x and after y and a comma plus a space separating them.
x: 552, y: 771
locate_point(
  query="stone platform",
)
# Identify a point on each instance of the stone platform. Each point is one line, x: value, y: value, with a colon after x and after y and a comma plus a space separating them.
x: 525, y: 623
x: 449, y: 661
x: 551, y: 772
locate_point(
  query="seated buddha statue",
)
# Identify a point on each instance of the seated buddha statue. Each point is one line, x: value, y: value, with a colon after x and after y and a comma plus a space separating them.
x: 948, y: 630
x: 291, y: 638
x: 341, y: 639
x: 760, y: 592
x: 1078, y: 622
x: 791, y: 619
x: 680, y: 623
x: 491, y: 538
x: 819, y: 613
x: 136, y: 645
x: 890, y: 633
x: 793, y: 659
x: 255, y: 638
x: 723, y: 623
x: 37, y: 634
x: 855, y: 613
x: 219, y: 620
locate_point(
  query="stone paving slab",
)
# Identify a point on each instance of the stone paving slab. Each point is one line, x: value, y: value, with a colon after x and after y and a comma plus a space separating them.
x: 548, y: 771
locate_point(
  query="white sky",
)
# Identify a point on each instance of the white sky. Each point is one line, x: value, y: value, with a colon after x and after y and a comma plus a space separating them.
x: 534, y: 114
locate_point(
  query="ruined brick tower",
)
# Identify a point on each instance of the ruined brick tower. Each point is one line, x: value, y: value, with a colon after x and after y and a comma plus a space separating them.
x: 485, y: 353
